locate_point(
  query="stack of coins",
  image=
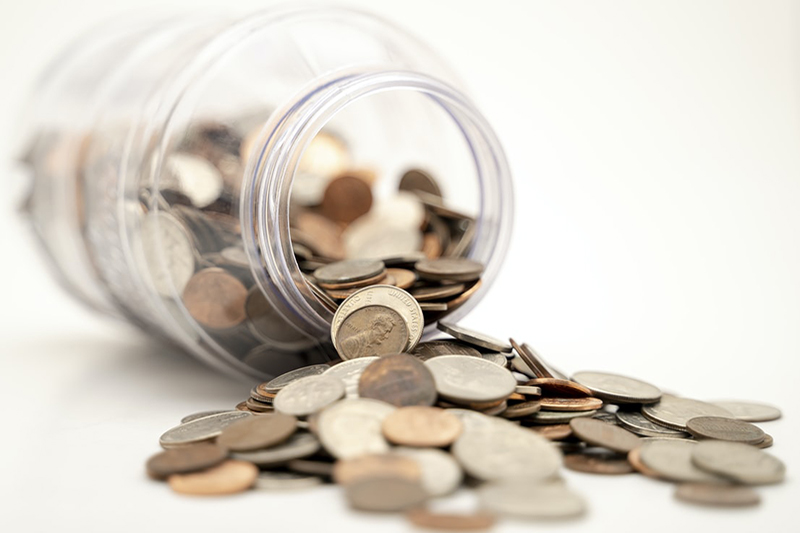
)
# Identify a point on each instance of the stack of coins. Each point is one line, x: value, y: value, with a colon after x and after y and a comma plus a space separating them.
x: 400, y: 430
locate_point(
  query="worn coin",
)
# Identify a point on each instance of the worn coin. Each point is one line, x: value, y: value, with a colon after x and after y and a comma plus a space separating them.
x: 729, y: 429
x: 674, y: 412
x: 559, y: 387
x: 400, y: 380
x: 346, y: 198
x: 741, y: 462
x: 587, y: 403
x: 422, y: 426
x: 636, y: 422
x: 671, y: 459
x: 717, y: 494
x: 553, y: 431
x: 352, y: 427
x: 449, y: 269
x: 441, y: 473
x: 598, y: 433
x: 370, y: 331
x: 426, y: 350
x: 229, y: 477
x: 185, y: 459
x: 530, y: 498
x: 463, y: 379
x: 168, y: 253
x: 384, y: 494
x: 257, y: 432
x: 403, y: 278
x: 202, y: 414
x: 298, y: 446
x: 276, y: 384
x: 348, y: 271
x: 750, y: 411
x: 308, y: 395
x: 199, y: 430
x: 215, y: 298
x: 519, y: 410
x: 558, y: 417
x: 346, y: 471
x: 473, y: 337
x: 349, y: 372
x: 606, y: 463
x: 285, y: 481
x: 427, y: 519
x: 618, y: 389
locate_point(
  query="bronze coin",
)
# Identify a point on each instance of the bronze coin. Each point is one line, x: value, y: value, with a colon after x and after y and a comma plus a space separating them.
x: 185, y: 459
x: 324, y: 235
x: 242, y: 406
x: 635, y: 459
x: 554, y: 431
x: 418, y: 180
x: 599, y: 433
x: 448, y: 521
x: 229, y: 477
x: 346, y: 198
x: 399, y: 379
x: 255, y: 406
x: 717, y: 494
x: 449, y: 269
x: 347, y: 471
x: 424, y: 294
x: 215, y: 299
x: 459, y: 300
x: 431, y: 245
x: 598, y: 463
x: 422, y: 426
x: 403, y: 278
x: 257, y: 432
x: 433, y: 307
x: 426, y: 350
x: 385, y: 494
x: 372, y: 330
x: 586, y: 403
x: 721, y: 428
x: 518, y: 410
x: 559, y: 387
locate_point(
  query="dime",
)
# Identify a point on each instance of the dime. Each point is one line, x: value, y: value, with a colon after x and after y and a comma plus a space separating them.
x: 185, y: 459
x: 559, y: 387
x: 257, y: 432
x: 740, y: 462
x: 400, y: 380
x: 558, y: 417
x: 200, y: 430
x: 518, y: 410
x: 448, y: 521
x: 441, y: 474
x: 422, y: 426
x: 202, y: 414
x: 554, y: 431
x: 369, y: 331
x: 618, y: 389
x: 418, y: 180
x: 285, y: 481
x: 349, y: 372
x: 346, y: 198
x: 229, y: 477
x: 384, y: 494
x: 463, y: 379
x: 349, y: 271
x: 675, y: 412
x: 636, y: 422
x: 347, y: 471
x: 352, y: 427
x: 599, y: 433
x: 717, y: 494
x: 424, y: 294
x: 530, y: 498
x: 473, y: 337
x: 276, y: 384
x: 298, y: 446
x: 609, y: 464
x: 750, y: 411
x: 216, y: 299
x: 728, y: 429
x: 449, y: 269
x: 403, y: 279
x: 586, y: 403
x: 426, y: 350
x: 671, y: 459
x: 308, y: 395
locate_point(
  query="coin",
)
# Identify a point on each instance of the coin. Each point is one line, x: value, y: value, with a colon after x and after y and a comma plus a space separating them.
x: 424, y: 294
x: 347, y: 471
x: 750, y: 411
x: 558, y: 417
x: 559, y: 387
x: 384, y: 494
x: 266, y: 323
x: 618, y: 389
x: 528, y: 390
x: 449, y: 269
x: 167, y: 253
x: 418, y: 180
x: 636, y: 422
x: 403, y: 278
x: 441, y: 474
x: 496, y: 358
x: 530, y: 498
x: 728, y: 429
x: 185, y: 459
x: 346, y: 198
x: 285, y: 481
x: 308, y: 395
x: 229, y: 477
x: 598, y: 433
x: 194, y: 177
x: 352, y: 427
x: 307, y: 466
x: 473, y: 337
x: 609, y: 464
x: 276, y: 384
x: 463, y: 379
x: 215, y: 299
x: 400, y: 380
x: 199, y: 430
x: 519, y: 410
x: 671, y: 459
x: 635, y: 459
x: 533, y: 363
x: 717, y: 494
x: 298, y: 446
x: 426, y: 350
x: 422, y: 426
x: 381, y: 278
x: 427, y: 519
x: 766, y: 443
x: 675, y: 412
x: 257, y: 432
x: 369, y: 331
x: 740, y: 462
x: 553, y: 431
x: 349, y: 372
x: 586, y: 403
x: 349, y: 271
x: 202, y: 414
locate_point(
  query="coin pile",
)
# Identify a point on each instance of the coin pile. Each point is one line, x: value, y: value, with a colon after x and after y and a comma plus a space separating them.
x: 400, y: 431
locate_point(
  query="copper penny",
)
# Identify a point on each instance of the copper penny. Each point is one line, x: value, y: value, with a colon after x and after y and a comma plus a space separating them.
x: 229, y: 477
x: 185, y: 459
x: 372, y: 330
x: 422, y: 426
x: 459, y: 300
x: 346, y: 198
x: 554, y: 431
x: 586, y: 403
x: 215, y: 298
x: 431, y: 246
x: 325, y: 236
x: 635, y: 459
x: 385, y: 494
x: 346, y: 471
x: 424, y: 294
x: 609, y: 464
x: 257, y: 432
x: 599, y: 433
x: 720, y: 428
x: 717, y: 494
x: 403, y: 278
x: 450, y: 522
x: 559, y: 387
x: 531, y: 360
x: 399, y: 379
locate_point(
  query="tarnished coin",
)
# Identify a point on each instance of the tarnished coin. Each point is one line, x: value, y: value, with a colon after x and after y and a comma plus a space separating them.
x: 675, y: 412
x: 422, y: 426
x: 558, y: 417
x: 298, y: 446
x: 384, y: 465
x: 374, y: 330
x: 427, y: 519
x: 553, y: 431
x: 202, y: 414
x: 229, y: 477
x: 352, y: 427
x: 418, y: 180
x: 609, y: 464
x: 400, y: 380
x: 473, y: 337
x: 283, y: 380
x: 199, y: 430
x: 350, y: 372
x: 285, y: 481
x: 385, y: 494
x: 463, y: 379
x: 636, y: 422
x: 671, y: 459
x: 449, y: 269
x: 729, y: 429
x: 560, y: 388
x: 308, y: 395
x: 257, y: 432
x: 598, y: 433
x: 586, y: 403
x: 441, y: 474
x: 750, y: 411
x: 717, y: 494
x: 346, y: 198
x: 618, y: 389
x: 185, y: 459
x: 739, y: 462
x: 530, y: 498
x: 426, y: 350
x: 215, y: 299
x: 348, y: 271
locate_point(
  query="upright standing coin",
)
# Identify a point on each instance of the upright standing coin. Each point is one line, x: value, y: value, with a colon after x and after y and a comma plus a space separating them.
x: 370, y: 331
x: 419, y: 180
x: 729, y: 429
x: 441, y: 474
x: 464, y: 379
x: 350, y: 428
x: 400, y: 380
x: 185, y: 459
x: 675, y: 412
x: 618, y: 389
x: 530, y: 498
x: 672, y: 460
x: 308, y: 395
x: 199, y: 430
x: 600, y: 433
x: 740, y: 462
x: 350, y: 372
x: 473, y: 337
x: 716, y: 494
x: 230, y: 477
x: 422, y: 426
x: 750, y: 411
x: 257, y: 432
x: 346, y: 198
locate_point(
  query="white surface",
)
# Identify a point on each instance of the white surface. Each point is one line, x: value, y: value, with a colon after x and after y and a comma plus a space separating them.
x: 656, y: 152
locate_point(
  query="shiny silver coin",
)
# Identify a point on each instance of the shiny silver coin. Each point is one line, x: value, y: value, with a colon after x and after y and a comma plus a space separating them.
x: 201, y: 429
x: 636, y: 422
x: 298, y: 446
x: 531, y: 498
x: 279, y: 481
x: 671, y: 459
x: 349, y: 372
x: 202, y: 414
x: 474, y: 337
x: 558, y: 417
x: 740, y: 462
x: 750, y: 411
x: 283, y: 380
x: 464, y: 379
x: 441, y: 474
x: 618, y: 389
x: 308, y: 395
x: 674, y: 412
x: 349, y: 271
x: 350, y: 428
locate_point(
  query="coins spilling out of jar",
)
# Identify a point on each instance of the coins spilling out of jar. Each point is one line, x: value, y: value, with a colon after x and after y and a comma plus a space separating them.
x: 400, y: 425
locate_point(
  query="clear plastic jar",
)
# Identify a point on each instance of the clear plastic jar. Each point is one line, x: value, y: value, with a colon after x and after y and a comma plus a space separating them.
x: 114, y: 117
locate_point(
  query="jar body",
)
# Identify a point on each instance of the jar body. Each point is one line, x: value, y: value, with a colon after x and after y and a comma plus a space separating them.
x: 166, y: 156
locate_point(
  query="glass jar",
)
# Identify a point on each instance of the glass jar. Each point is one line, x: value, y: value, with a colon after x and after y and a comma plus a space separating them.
x: 164, y: 149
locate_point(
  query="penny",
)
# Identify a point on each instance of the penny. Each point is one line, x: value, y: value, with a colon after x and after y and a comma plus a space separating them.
x: 370, y: 331
x: 554, y: 431
x: 202, y: 414
x: 229, y: 477
x: 473, y: 337
x: 298, y: 446
x: 728, y: 429
x: 463, y: 379
x: 441, y: 473
x: 308, y: 395
x: 422, y: 426
x: 349, y: 271
x: 215, y: 298
x: 750, y: 411
x: 739, y: 462
x: 717, y: 494
x: 352, y: 427
x: 586, y: 403
x: 276, y: 384
x: 346, y: 198
x: 531, y: 360
x: 384, y: 494
x: 257, y: 432
x: 285, y: 481
x: 349, y: 372
x: 518, y: 410
x: 671, y: 459
x: 559, y: 387
x: 618, y: 389
x: 425, y: 518
x: 418, y: 180
x: 424, y: 294
x: 449, y: 269
x: 636, y: 422
x: 609, y: 464
x: 426, y: 350
x: 558, y: 417
x: 199, y: 430
x: 598, y: 433
x: 675, y: 412
x: 635, y: 459
x: 403, y: 278
x: 400, y: 380
x: 346, y: 471
x: 185, y: 459
x: 530, y: 498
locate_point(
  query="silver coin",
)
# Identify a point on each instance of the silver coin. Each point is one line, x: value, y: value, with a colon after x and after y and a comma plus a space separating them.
x: 441, y: 474
x: 519, y: 365
x: 530, y: 498
x: 349, y: 372
x: 395, y: 299
x: 674, y: 412
x: 293, y: 375
x: 750, y: 411
x: 308, y: 395
x: 558, y: 417
x: 350, y: 428
x: 202, y: 414
x: 193, y: 176
x: 475, y: 420
x: 616, y: 388
x: 528, y: 390
x: 672, y: 460
x: 465, y: 379
x: 348, y: 271
x: 473, y: 337
x: 427, y: 350
x: 496, y: 358
x: 636, y: 422
x: 285, y: 481
x: 201, y: 429
x: 298, y: 446
x: 741, y: 462
x: 371, y: 238
x: 167, y: 253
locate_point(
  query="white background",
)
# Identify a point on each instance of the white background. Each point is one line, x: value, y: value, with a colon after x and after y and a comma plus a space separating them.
x: 656, y: 154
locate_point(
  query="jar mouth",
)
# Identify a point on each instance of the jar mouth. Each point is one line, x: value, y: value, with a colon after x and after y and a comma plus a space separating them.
x: 270, y: 173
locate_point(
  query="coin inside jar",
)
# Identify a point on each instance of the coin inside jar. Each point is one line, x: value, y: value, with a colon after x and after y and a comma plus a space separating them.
x: 450, y: 269
x: 215, y: 298
x: 349, y: 271
x: 372, y: 330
